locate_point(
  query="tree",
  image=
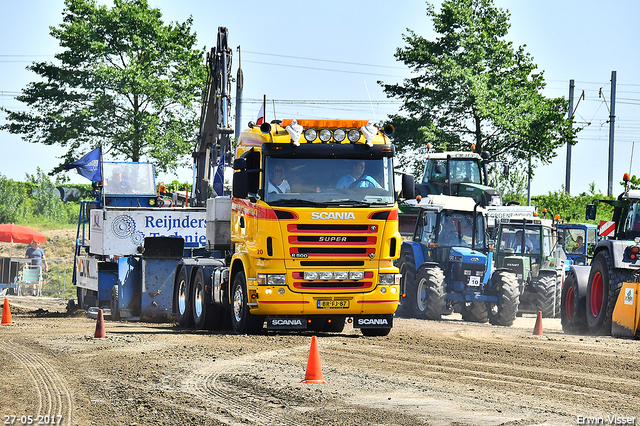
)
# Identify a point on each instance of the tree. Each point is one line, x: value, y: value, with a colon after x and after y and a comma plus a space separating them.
x: 471, y: 87
x: 125, y: 81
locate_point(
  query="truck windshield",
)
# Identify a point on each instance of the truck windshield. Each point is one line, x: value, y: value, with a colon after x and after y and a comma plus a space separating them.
x: 128, y: 179
x: 291, y: 181
x: 462, y: 170
x: 511, y: 240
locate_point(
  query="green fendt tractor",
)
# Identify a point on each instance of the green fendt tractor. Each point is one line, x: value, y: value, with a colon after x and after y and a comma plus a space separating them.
x: 528, y: 247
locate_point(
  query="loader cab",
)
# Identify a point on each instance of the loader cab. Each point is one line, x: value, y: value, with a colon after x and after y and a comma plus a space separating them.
x: 578, y: 241
x: 127, y: 184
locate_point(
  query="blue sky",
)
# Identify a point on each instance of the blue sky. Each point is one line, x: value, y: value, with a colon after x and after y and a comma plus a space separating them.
x: 303, y: 54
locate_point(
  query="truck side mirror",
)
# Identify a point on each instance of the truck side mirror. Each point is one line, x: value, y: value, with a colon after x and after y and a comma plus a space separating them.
x: 408, y: 187
x: 590, y: 213
x: 485, y: 155
x: 240, y: 164
x: 240, y: 187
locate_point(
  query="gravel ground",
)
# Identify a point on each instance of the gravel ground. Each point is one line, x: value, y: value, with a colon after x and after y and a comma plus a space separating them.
x: 425, y: 372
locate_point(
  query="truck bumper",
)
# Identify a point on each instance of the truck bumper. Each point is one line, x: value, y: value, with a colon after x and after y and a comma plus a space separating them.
x: 280, y: 300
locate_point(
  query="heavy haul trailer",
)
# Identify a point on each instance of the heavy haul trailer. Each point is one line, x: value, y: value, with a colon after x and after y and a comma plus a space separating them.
x: 601, y: 298
x: 302, y: 255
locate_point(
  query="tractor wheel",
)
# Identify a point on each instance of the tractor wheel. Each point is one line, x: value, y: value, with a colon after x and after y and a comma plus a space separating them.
x: 602, y: 292
x: 407, y: 267
x: 573, y: 311
x: 475, y: 312
x: 558, y: 295
x: 430, y: 292
x: 545, y: 295
x: 115, y: 308
x: 504, y: 312
x: 206, y: 316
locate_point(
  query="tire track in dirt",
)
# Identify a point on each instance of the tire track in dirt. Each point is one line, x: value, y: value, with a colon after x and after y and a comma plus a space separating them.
x: 252, y: 403
x: 53, y: 394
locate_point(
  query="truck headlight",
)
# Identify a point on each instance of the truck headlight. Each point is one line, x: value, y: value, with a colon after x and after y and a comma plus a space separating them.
x: 389, y: 279
x: 272, y: 279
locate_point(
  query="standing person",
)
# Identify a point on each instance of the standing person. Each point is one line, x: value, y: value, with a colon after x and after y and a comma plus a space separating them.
x: 36, y: 254
x: 357, y: 175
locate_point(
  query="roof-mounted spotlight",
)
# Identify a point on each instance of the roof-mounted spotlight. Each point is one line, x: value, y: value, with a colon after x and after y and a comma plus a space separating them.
x: 325, y: 135
x: 389, y: 130
x: 339, y: 135
x: 310, y: 135
x: 353, y: 135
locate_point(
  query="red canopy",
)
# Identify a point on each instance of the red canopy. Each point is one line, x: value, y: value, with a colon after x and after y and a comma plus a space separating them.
x: 20, y: 234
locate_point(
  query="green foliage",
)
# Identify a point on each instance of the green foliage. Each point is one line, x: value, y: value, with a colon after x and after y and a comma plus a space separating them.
x: 13, y: 195
x: 124, y: 80
x: 572, y: 208
x: 471, y: 86
x: 512, y: 187
x: 45, y: 202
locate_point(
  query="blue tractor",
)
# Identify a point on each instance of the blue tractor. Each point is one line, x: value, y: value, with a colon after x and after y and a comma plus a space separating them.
x: 447, y: 264
x: 579, y: 241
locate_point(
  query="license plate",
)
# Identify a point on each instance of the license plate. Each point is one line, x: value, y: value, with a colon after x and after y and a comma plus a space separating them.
x: 474, y: 281
x: 333, y: 304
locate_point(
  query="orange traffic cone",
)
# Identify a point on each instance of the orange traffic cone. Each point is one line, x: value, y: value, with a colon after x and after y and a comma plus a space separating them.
x: 537, y: 330
x: 6, y: 313
x: 314, y: 372
x: 100, y: 334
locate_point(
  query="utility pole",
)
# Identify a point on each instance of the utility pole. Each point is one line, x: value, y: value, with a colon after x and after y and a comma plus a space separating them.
x: 567, y: 183
x: 612, y: 120
x: 239, y: 87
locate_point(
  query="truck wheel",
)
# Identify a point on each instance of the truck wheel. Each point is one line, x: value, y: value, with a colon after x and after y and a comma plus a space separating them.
x: 205, y: 315
x: 573, y: 310
x: 602, y: 292
x: 430, y: 292
x: 182, y: 301
x: 407, y: 267
x: 241, y: 319
x: 373, y: 332
x: 504, y: 312
x: 115, y: 309
x: 545, y: 295
x: 474, y: 312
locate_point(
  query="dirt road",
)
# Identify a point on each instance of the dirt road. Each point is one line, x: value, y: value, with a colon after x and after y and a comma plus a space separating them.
x: 425, y: 372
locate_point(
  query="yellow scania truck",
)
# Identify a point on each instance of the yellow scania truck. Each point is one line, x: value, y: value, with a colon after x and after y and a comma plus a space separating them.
x: 314, y: 228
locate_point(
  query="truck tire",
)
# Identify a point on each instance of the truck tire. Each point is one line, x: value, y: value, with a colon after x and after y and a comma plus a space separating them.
x: 475, y: 312
x: 375, y: 332
x: 182, y: 301
x: 573, y: 310
x: 602, y: 292
x: 430, y: 292
x: 504, y: 312
x: 242, y: 320
x: 545, y: 295
x: 206, y: 316
x: 407, y: 267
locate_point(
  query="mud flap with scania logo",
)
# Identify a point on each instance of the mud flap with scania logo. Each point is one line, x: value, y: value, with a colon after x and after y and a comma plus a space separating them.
x: 373, y: 321
x: 286, y: 323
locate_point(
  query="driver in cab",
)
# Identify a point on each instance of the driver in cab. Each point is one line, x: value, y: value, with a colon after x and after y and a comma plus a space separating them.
x: 357, y: 178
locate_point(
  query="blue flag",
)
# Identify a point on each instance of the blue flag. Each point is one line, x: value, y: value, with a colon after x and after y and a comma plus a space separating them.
x: 218, y: 179
x: 88, y: 166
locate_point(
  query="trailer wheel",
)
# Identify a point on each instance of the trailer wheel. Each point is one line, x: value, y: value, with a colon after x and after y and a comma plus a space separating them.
x: 504, y: 312
x: 375, y: 332
x: 182, y: 301
x: 474, y: 312
x: 242, y: 320
x: 205, y: 315
x: 573, y: 311
x: 545, y: 295
x: 430, y: 292
x: 407, y: 267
